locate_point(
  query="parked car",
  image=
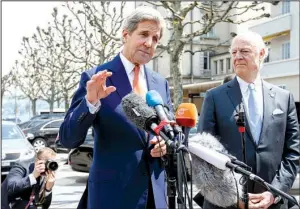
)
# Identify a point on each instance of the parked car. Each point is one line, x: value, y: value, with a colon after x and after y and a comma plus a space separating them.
x: 45, y: 133
x: 30, y: 124
x: 15, y: 147
x: 48, y: 116
x: 58, y: 147
x: 80, y: 158
x: 12, y: 119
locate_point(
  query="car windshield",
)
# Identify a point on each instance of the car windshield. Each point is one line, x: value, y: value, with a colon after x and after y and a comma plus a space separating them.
x: 10, y: 131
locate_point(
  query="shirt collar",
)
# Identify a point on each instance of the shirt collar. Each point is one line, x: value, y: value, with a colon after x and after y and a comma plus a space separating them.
x: 130, y: 66
x: 244, y: 85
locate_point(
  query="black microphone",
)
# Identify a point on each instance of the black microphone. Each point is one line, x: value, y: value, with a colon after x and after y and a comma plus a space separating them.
x: 154, y: 100
x: 177, y: 129
x: 143, y: 116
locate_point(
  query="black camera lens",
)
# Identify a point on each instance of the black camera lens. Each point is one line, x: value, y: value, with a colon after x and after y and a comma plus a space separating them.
x: 51, y: 165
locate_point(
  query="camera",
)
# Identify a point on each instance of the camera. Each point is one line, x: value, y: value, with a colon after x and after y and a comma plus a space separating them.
x: 51, y: 165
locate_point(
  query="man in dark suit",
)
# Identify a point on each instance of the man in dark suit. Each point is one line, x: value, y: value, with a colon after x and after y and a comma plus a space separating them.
x: 272, y: 130
x: 29, y: 185
x: 125, y: 173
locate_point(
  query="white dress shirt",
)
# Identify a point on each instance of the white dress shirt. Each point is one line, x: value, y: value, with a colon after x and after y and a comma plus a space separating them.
x: 259, y: 94
x: 129, y: 71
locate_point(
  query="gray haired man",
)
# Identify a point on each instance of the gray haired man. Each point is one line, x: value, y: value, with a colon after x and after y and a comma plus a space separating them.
x: 126, y: 172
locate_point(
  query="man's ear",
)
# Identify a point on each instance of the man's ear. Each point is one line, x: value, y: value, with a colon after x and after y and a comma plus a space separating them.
x: 125, y: 34
x: 262, y: 54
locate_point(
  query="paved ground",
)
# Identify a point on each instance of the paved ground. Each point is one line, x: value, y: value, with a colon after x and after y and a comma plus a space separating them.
x: 71, y: 184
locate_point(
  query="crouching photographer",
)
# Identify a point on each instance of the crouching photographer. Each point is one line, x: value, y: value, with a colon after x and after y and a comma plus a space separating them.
x: 30, y: 186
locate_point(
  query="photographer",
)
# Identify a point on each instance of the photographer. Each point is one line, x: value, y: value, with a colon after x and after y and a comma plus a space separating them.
x: 30, y: 185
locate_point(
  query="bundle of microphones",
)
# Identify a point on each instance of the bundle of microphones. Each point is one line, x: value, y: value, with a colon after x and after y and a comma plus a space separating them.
x: 212, y: 165
x: 216, y: 183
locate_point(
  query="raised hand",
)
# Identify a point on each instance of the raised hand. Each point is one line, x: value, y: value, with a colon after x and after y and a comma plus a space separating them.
x: 96, y: 87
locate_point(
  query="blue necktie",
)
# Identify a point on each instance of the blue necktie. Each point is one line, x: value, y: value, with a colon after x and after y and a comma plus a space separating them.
x: 255, y: 124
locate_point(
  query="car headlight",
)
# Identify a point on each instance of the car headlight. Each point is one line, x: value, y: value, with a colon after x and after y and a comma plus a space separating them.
x: 28, y: 154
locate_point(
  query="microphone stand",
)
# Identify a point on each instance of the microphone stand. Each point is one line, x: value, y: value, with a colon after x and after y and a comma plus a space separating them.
x: 171, y: 185
x: 253, y: 177
x: 241, y: 127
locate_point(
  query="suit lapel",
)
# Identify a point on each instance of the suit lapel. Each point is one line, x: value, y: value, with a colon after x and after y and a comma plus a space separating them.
x: 151, y: 82
x: 235, y: 95
x: 119, y: 79
x: 268, y: 105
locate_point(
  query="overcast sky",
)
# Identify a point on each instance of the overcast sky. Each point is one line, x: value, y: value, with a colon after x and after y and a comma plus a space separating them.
x: 21, y: 19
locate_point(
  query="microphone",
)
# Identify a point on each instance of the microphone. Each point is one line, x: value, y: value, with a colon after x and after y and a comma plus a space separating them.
x: 154, y: 100
x: 143, y: 116
x: 212, y: 177
x: 213, y: 172
x: 186, y: 115
x: 177, y: 129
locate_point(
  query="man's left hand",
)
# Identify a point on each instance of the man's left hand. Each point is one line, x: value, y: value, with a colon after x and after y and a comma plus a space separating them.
x: 261, y: 201
x: 50, y: 179
x: 160, y: 148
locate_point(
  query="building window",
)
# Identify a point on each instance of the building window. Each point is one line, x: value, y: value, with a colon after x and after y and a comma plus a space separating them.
x: 228, y: 64
x: 285, y: 7
x: 285, y: 50
x: 216, y: 67
x: 283, y: 86
x: 267, y: 59
x: 210, y: 34
x: 206, y: 61
x: 221, y: 66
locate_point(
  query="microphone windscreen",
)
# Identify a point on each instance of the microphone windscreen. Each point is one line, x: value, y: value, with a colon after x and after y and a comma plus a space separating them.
x: 219, y: 187
x: 186, y: 115
x: 153, y: 98
x: 137, y: 111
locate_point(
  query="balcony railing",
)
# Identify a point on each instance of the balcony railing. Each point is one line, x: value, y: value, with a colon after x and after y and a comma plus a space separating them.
x: 274, y: 26
x: 280, y: 68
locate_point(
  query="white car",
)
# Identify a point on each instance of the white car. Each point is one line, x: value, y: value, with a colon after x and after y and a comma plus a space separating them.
x: 15, y: 147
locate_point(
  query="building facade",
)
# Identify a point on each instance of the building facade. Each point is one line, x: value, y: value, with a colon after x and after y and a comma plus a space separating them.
x: 205, y: 70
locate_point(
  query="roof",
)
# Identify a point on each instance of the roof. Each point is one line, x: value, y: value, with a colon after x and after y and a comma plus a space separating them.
x: 4, y: 122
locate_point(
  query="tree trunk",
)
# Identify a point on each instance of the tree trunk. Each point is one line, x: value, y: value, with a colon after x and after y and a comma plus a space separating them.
x: 177, y: 80
x: 66, y: 101
x: 51, y: 103
x: 52, y: 100
x: 33, y: 106
x: 58, y: 103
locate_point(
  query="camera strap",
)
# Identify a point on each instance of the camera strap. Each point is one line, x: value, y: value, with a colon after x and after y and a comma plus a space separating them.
x: 38, y: 190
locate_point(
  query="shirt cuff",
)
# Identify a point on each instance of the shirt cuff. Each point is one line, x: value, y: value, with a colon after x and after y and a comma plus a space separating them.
x: 93, y: 108
x: 32, y: 179
x: 47, y: 193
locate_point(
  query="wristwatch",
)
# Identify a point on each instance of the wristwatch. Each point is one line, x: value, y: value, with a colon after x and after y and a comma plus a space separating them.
x: 277, y: 199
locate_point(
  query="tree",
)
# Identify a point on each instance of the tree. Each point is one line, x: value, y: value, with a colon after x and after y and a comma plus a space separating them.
x: 24, y: 73
x: 64, y: 41
x: 6, y: 83
x: 97, y: 34
x: 212, y: 13
x: 47, y: 65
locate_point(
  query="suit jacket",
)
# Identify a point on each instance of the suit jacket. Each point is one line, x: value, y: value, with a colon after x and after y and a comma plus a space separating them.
x: 122, y: 164
x: 18, y: 188
x: 276, y: 155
